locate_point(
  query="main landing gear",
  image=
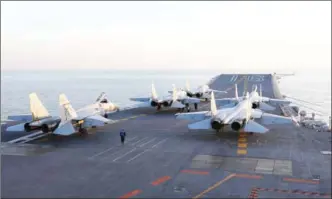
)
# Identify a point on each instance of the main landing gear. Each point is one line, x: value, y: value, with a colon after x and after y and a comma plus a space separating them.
x: 196, y: 106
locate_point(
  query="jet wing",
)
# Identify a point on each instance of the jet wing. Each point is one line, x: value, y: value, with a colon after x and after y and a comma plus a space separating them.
x: 190, y: 100
x: 217, y: 91
x: 140, y: 99
x: 254, y: 127
x: 96, y: 120
x: 267, y: 118
x: 276, y: 101
x: 192, y: 116
x: 226, y: 102
x: 20, y: 118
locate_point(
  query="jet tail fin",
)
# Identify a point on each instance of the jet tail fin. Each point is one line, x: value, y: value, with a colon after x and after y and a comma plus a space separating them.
x: 174, y: 93
x: 213, y: 105
x: 67, y: 112
x: 101, y: 97
x: 37, y: 108
x: 236, y: 93
x: 154, y: 92
x: 187, y: 86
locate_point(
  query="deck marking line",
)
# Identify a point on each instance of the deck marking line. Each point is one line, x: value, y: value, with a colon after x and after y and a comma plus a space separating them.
x: 131, y: 139
x: 241, y: 152
x: 131, y: 194
x: 248, y: 176
x: 159, y: 142
x: 301, y: 180
x: 242, y: 140
x: 242, y: 145
x: 124, y: 155
x: 137, y: 156
x: 160, y: 180
x: 196, y: 172
x: 147, y: 142
x: 139, y: 140
x: 215, y: 185
x: 98, y: 154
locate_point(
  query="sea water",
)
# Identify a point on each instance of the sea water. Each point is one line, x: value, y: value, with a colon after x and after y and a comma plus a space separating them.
x: 83, y: 87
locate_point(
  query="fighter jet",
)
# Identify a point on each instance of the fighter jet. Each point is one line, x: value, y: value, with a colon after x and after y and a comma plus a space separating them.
x: 83, y: 119
x: 238, y: 118
x: 40, y: 119
x: 201, y: 92
x: 176, y: 100
x: 256, y: 99
x: 103, y: 105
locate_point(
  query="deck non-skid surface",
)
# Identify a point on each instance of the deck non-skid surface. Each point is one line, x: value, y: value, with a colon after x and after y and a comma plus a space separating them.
x: 161, y: 158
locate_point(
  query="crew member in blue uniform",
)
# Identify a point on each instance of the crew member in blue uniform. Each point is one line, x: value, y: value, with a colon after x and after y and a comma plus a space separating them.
x: 122, y: 135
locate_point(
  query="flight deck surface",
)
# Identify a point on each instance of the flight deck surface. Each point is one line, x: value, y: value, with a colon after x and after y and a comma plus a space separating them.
x: 161, y: 158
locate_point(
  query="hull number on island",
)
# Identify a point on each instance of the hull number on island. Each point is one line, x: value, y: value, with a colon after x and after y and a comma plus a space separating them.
x: 251, y: 78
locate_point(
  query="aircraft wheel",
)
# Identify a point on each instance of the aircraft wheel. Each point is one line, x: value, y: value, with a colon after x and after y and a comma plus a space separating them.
x: 196, y: 106
x: 105, y: 115
x: 83, y: 131
x: 188, y: 109
x: 206, y: 99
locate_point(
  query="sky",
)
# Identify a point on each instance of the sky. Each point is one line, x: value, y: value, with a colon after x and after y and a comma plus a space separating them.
x: 273, y: 35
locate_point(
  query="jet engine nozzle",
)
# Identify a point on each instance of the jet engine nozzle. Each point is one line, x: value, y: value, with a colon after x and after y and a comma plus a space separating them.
x: 165, y: 103
x: 189, y: 94
x: 153, y: 103
x: 217, y: 124
x: 199, y: 94
x: 237, y: 125
x: 255, y: 105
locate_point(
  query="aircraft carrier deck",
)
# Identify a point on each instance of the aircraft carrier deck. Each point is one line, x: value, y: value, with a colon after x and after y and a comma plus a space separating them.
x: 161, y: 158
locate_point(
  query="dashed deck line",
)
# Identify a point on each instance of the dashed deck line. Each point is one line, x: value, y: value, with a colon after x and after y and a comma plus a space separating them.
x: 131, y: 194
x: 255, y: 191
x: 161, y: 180
x: 297, y: 180
x: 195, y: 172
x: 242, y: 144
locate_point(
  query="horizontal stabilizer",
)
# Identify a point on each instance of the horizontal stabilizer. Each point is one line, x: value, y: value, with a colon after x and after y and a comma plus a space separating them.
x: 254, y: 127
x: 264, y: 106
x: 177, y: 104
x: 65, y: 129
x: 18, y: 127
x: 96, y: 120
x: 268, y: 118
x: 21, y: 118
x: 140, y: 99
x: 203, y: 125
x: 192, y: 116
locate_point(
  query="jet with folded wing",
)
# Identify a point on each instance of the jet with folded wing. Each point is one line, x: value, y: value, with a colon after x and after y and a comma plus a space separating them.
x: 201, y: 92
x: 238, y: 118
x: 103, y: 105
x: 83, y: 119
x: 176, y: 100
x: 39, y: 119
x: 256, y: 99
